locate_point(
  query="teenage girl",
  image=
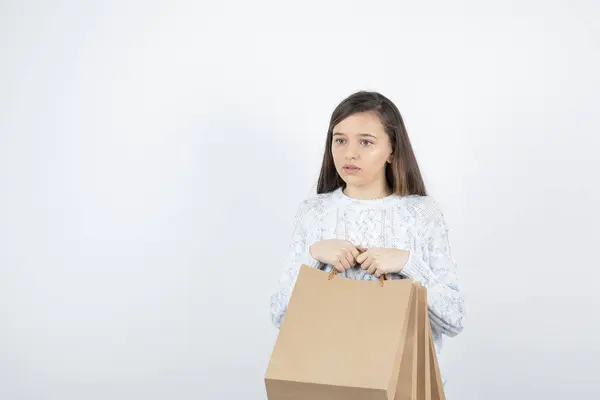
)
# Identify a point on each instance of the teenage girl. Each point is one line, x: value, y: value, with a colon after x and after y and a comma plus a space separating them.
x: 372, y: 215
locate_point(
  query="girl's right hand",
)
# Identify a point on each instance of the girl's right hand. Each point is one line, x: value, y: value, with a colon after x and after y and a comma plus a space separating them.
x: 341, y: 254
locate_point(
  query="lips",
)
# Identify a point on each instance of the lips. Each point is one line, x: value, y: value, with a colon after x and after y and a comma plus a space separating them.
x: 351, y: 168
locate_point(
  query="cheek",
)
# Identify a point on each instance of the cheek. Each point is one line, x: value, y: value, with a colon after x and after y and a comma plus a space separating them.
x: 337, y: 155
x: 375, y: 159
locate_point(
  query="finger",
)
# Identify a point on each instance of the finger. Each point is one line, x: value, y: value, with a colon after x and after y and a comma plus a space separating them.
x: 350, y: 259
x: 344, y: 262
x: 372, y: 269
x: 378, y: 273
x: 361, y: 258
x: 338, y: 265
x: 355, y: 253
x: 367, y: 263
x: 362, y: 249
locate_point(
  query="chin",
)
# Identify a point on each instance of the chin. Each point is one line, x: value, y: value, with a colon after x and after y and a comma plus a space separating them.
x: 352, y: 179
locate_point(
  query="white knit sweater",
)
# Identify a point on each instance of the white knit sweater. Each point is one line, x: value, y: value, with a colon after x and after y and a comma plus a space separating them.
x: 413, y: 223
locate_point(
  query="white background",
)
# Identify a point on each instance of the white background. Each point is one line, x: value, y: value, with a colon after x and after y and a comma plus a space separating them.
x: 152, y: 156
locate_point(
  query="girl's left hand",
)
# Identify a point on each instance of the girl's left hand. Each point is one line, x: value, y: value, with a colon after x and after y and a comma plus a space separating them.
x: 379, y: 261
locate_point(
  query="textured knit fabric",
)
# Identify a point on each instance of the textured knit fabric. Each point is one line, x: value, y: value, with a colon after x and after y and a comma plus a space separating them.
x: 413, y: 223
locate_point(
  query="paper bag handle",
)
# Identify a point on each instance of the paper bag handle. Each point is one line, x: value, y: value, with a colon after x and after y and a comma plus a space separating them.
x: 335, y: 272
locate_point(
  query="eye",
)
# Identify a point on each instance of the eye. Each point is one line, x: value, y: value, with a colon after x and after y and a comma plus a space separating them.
x: 337, y: 141
x: 368, y: 143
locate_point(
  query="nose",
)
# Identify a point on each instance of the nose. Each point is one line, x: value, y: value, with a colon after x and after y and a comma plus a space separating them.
x: 351, y: 153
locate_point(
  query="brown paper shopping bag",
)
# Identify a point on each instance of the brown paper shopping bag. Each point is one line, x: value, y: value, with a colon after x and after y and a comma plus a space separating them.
x: 420, y: 377
x: 424, y: 366
x: 341, y: 339
x: 406, y: 388
x: 415, y: 381
x: 430, y: 386
x: 436, y: 384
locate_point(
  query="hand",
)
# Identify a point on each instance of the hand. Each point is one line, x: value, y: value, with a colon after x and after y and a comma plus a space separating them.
x: 341, y: 254
x: 379, y: 261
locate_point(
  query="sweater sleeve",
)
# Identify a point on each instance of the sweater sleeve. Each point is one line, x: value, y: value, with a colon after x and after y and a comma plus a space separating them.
x: 439, y: 275
x: 297, y: 254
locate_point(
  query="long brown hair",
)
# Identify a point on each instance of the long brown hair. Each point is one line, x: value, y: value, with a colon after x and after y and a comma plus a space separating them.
x: 402, y: 174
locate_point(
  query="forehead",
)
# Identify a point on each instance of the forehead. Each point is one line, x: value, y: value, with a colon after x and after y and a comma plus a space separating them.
x: 364, y: 122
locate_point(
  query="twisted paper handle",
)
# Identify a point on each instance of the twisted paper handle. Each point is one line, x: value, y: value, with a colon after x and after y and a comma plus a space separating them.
x: 335, y: 272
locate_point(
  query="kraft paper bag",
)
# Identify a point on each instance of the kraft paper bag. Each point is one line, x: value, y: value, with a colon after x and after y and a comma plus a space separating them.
x: 423, y: 373
x: 437, y: 386
x: 426, y: 382
x: 406, y: 389
x: 342, y: 339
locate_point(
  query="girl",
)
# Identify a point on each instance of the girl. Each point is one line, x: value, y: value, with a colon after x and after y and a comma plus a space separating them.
x: 372, y: 215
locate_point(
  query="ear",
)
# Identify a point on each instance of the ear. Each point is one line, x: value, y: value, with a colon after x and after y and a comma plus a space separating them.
x: 390, y: 158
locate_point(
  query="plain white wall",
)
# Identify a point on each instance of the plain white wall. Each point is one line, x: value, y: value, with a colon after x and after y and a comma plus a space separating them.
x: 152, y: 155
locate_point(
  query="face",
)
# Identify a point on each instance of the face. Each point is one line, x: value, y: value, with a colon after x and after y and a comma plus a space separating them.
x: 360, y: 140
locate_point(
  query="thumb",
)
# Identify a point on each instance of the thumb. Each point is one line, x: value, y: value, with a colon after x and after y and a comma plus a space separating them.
x: 361, y: 257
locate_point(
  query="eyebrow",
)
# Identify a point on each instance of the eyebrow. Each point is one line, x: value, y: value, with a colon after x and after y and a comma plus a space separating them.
x: 360, y: 134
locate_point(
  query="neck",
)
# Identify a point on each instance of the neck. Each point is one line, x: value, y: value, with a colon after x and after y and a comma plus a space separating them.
x: 367, y: 192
